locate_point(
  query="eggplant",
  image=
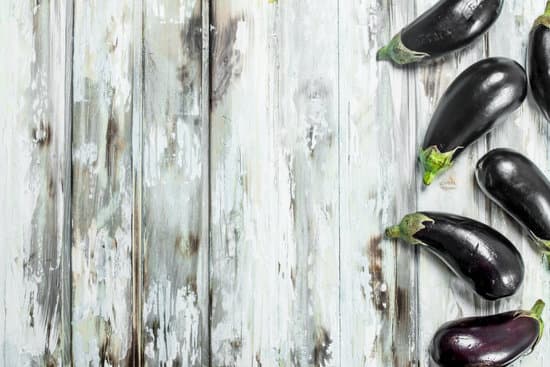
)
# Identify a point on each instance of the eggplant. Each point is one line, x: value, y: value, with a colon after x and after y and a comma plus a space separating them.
x: 538, y: 62
x: 475, y: 103
x: 519, y: 187
x: 490, y: 341
x: 446, y: 27
x: 487, y: 261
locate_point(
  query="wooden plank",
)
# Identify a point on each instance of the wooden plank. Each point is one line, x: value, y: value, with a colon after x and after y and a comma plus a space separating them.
x: 137, y: 349
x: 274, y: 164
x: 102, y: 181
x: 34, y: 188
x: 454, y: 192
x: 308, y: 118
x: 378, y: 186
x: 527, y: 132
x: 175, y: 186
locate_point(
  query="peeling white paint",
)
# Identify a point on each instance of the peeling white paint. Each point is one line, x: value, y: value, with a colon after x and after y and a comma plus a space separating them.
x: 313, y: 153
x: 241, y: 37
x: 102, y: 231
x: 275, y: 247
x: 176, y: 286
x: 31, y: 135
x: 177, y: 315
x: 86, y: 154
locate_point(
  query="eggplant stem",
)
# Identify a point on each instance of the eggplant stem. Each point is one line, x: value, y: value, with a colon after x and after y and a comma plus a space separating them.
x: 537, y: 309
x: 435, y: 162
x: 536, y: 313
x: 544, y: 245
x: 429, y: 177
x: 397, y: 52
x: 409, y: 226
x: 544, y: 19
x: 383, y: 54
x: 393, y: 232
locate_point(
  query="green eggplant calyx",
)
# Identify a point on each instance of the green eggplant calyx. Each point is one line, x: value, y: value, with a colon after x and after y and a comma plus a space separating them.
x: 544, y: 245
x: 544, y: 19
x: 435, y: 162
x: 396, y: 51
x: 546, y: 256
x: 410, y: 225
x: 536, y: 313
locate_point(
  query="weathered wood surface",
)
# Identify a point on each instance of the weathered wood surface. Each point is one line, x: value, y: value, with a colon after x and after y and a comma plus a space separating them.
x: 377, y: 186
x: 205, y: 183
x: 174, y: 186
x: 35, y: 183
x: 102, y: 198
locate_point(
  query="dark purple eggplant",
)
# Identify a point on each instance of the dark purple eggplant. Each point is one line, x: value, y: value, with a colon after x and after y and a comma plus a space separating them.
x: 446, y: 27
x: 518, y: 186
x: 477, y: 253
x: 538, y: 62
x: 474, y: 104
x: 490, y: 341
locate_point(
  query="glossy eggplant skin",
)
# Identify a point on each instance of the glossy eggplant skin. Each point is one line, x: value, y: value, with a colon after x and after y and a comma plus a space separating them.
x: 481, y: 97
x: 518, y: 186
x: 490, y: 341
x: 538, y: 62
x: 487, y: 261
x: 446, y: 27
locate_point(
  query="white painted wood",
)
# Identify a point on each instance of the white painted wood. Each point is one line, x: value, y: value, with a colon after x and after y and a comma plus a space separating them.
x: 102, y: 202
x: 33, y: 187
x: 308, y: 96
x: 377, y: 186
x: 274, y: 148
x: 311, y: 148
x: 137, y: 184
x: 175, y: 168
x: 527, y: 132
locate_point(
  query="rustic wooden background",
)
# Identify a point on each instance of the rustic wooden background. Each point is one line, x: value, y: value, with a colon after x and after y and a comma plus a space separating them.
x: 204, y: 183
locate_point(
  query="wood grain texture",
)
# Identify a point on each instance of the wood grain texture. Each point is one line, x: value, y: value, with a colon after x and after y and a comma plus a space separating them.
x: 34, y: 186
x: 377, y: 177
x: 175, y: 186
x: 274, y: 148
x: 308, y: 93
x: 223, y: 186
x: 102, y: 199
